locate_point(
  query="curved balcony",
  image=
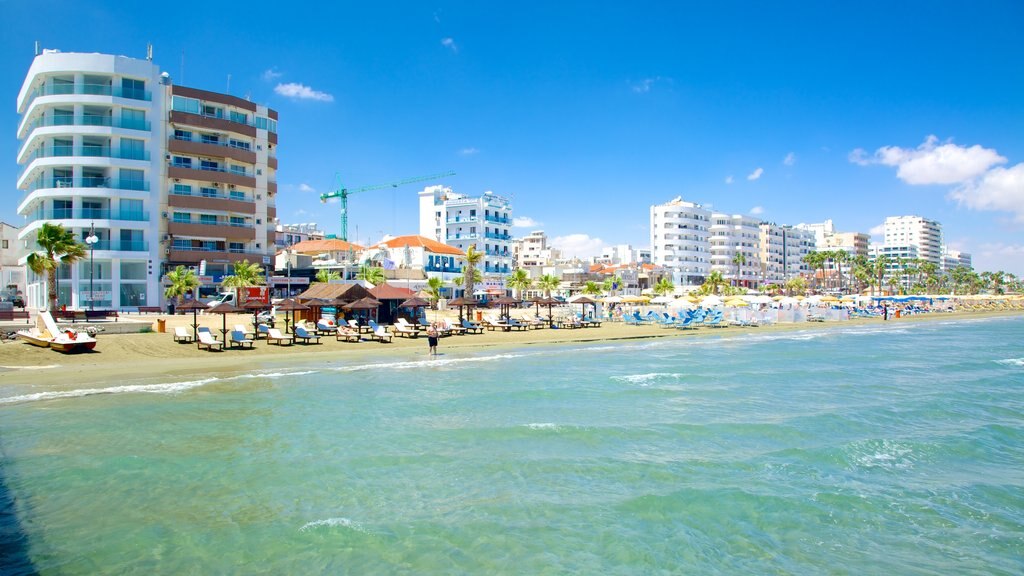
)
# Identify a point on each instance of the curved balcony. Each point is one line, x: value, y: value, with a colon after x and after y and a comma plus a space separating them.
x: 82, y: 120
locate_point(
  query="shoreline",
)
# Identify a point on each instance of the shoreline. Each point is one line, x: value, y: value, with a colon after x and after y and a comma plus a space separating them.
x: 142, y: 356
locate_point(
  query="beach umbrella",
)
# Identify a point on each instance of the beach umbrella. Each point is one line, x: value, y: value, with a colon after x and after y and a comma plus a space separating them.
x: 681, y: 303
x: 611, y: 300
x: 195, y: 306
x: 365, y: 304
x: 737, y: 302
x: 506, y: 303
x: 255, y: 306
x: 583, y: 301
x: 225, y: 308
x: 662, y: 300
x: 290, y: 305
x: 711, y: 301
x: 830, y: 299
x: 414, y: 302
x: 460, y: 302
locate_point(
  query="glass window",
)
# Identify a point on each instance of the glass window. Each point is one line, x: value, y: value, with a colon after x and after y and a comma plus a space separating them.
x: 181, y: 161
x: 133, y: 271
x: 130, y: 209
x: 209, y: 165
x: 183, y: 189
x: 182, y: 218
x: 236, y: 195
x: 235, y: 168
x: 182, y: 104
x: 131, y: 88
x: 132, y: 149
x: 213, y: 111
x: 236, y: 247
x: 63, y: 117
x: 239, y: 144
x: 206, y: 192
x: 133, y: 119
x: 209, y: 139
x: 132, y: 179
x: 239, y: 117
x: 207, y: 219
x: 183, y: 135
x: 237, y: 221
x: 133, y: 294
x: 61, y: 209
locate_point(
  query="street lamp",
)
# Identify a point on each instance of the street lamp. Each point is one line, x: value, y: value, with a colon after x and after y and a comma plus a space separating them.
x: 91, y: 240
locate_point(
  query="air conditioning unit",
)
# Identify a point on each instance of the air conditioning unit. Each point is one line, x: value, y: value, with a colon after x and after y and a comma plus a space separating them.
x: 231, y: 186
x: 163, y: 214
x: 167, y: 251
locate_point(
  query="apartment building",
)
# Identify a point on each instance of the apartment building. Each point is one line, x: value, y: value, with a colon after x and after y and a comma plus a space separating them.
x: 736, y: 247
x: 161, y: 175
x: 954, y: 259
x: 462, y: 221
x: 906, y: 235
x: 782, y: 252
x: 680, y: 240
x: 532, y: 251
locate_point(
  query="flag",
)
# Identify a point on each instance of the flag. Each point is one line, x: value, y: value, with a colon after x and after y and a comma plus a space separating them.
x: 388, y: 264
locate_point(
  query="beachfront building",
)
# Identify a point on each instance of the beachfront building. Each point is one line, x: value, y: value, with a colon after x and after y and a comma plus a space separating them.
x: 532, y: 251
x: 736, y: 248
x: 462, y: 221
x: 954, y: 259
x: 410, y: 260
x: 680, y: 240
x: 159, y: 175
x: 291, y: 234
x: 12, y: 271
x: 782, y: 252
x: 853, y: 243
x: 92, y: 159
x: 914, y: 237
x: 221, y: 182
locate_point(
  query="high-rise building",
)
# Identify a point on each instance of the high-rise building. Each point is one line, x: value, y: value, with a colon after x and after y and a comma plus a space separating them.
x: 532, y: 250
x: 782, y: 252
x: 680, y: 239
x: 159, y: 174
x: 461, y: 221
x: 913, y: 237
x: 736, y: 247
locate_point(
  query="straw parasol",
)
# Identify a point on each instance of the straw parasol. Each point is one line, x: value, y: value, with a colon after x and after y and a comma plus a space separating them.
x: 290, y: 305
x: 662, y: 300
x: 414, y: 302
x: 506, y: 303
x: 460, y: 302
x: 225, y: 308
x: 366, y: 303
x: 583, y: 301
x: 195, y: 306
x: 737, y: 302
x: 255, y: 306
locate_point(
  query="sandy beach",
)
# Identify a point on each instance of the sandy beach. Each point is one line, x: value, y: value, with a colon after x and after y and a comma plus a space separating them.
x: 120, y: 357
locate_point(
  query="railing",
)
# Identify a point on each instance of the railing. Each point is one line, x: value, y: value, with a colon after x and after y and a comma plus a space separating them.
x: 59, y: 151
x: 459, y: 220
x: 178, y: 248
x: 214, y: 223
x: 240, y: 197
x: 210, y: 169
x: 122, y: 245
x: 88, y: 182
x: 496, y: 269
x: 91, y: 214
x: 87, y: 120
x: 497, y: 219
x: 92, y: 90
x: 494, y: 236
x: 462, y: 236
x: 236, y: 145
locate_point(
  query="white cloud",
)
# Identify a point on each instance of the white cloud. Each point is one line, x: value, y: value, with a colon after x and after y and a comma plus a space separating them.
x: 578, y: 245
x: 999, y: 256
x: 878, y: 230
x: 306, y: 188
x: 302, y: 92
x: 932, y: 163
x: 468, y: 151
x: 644, y: 86
x: 755, y: 174
x: 525, y: 222
x: 757, y: 210
x: 450, y: 43
x: 790, y: 159
x: 728, y: 179
x: 999, y: 189
x: 271, y: 74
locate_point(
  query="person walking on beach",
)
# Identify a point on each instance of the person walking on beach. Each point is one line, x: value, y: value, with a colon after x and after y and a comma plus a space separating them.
x: 432, y: 339
x: 885, y: 311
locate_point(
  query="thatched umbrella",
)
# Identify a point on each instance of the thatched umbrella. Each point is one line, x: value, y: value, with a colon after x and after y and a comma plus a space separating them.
x: 366, y: 303
x: 506, y: 303
x: 290, y: 305
x: 255, y: 306
x: 225, y: 308
x: 460, y: 302
x: 195, y: 306
x: 583, y: 301
x: 318, y: 303
x: 549, y: 302
x: 414, y: 302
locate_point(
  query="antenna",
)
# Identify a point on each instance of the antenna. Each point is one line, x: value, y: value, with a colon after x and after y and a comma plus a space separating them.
x: 149, y: 51
x: 181, y: 79
x: 37, y: 47
x: 228, y: 91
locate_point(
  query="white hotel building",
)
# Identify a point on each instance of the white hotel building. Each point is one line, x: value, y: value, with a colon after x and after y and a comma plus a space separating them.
x: 680, y: 240
x: 162, y: 174
x: 461, y: 221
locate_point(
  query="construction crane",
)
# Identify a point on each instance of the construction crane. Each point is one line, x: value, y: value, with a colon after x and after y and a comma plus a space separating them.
x: 344, y: 193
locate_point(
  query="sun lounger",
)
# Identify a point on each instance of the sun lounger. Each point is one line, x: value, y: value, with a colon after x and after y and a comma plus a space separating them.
x: 238, y: 339
x: 274, y: 336
x: 262, y: 331
x: 381, y: 335
x: 302, y: 335
x: 405, y: 330
x: 181, y: 334
x: 492, y: 324
x: 456, y: 329
x: 346, y: 334
x: 362, y: 329
x: 206, y: 339
x: 245, y: 331
x: 472, y: 327
x: 325, y: 327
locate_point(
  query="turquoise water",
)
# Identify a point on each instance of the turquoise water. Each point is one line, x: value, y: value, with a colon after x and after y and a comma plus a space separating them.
x: 895, y: 448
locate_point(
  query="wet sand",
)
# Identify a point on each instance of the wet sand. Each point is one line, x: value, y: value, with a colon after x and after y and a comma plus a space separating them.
x: 123, y: 357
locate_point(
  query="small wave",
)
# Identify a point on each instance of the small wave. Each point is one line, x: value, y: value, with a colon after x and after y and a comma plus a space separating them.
x: 168, y: 388
x: 542, y: 426
x: 647, y: 379
x: 882, y: 454
x: 1011, y: 362
x: 273, y: 374
x: 44, y: 367
x: 433, y: 362
x: 333, y: 523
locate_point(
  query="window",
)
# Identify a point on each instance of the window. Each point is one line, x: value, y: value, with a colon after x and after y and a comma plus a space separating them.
x: 183, y: 135
x: 4, y: 245
x: 133, y: 119
x: 236, y: 195
x: 236, y: 247
x: 209, y: 165
x: 210, y: 245
x: 237, y: 221
x: 132, y: 240
x: 183, y: 189
x: 182, y: 104
x: 208, y: 219
x: 135, y: 89
x: 133, y: 270
x: 213, y: 111
x: 209, y: 139
x: 182, y: 217
x: 236, y: 169
x: 181, y: 244
x: 61, y: 209
x: 239, y: 144
x: 63, y: 117
x: 130, y: 209
x: 181, y: 162
x: 132, y: 179
x: 132, y: 149
x: 207, y: 192
x: 238, y: 117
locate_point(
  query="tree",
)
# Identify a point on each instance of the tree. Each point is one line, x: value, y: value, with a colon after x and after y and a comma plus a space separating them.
x: 816, y: 260
x: 796, y: 285
x: 713, y: 282
x: 59, y: 246
x: 434, y: 285
x: 591, y: 288
x: 548, y: 283
x: 182, y: 281
x: 840, y: 256
x: 473, y: 258
x: 519, y: 281
x: 881, y: 266
x: 245, y: 275
x: 325, y: 275
x: 612, y: 284
x: 371, y: 274
x: 664, y: 287
x: 739, y: 259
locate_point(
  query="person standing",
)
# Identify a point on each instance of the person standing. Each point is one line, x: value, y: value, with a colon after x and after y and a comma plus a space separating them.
x: 432, y: 339
x: 885, y: 311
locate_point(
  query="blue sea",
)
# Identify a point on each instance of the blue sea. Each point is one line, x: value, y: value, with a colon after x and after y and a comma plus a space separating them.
x: 891, y: 448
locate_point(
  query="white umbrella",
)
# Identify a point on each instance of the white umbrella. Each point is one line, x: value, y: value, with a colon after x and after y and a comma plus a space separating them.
x: 662, y: 300
x: 788, y: 301
x: 711, y: 301
x: 760, y: 299
x: 680, y: 303
x: 611, y: 299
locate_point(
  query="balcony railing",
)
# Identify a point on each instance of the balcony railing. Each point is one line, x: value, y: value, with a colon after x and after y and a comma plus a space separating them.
x: 191, y: 166
x: 92, y: 90
x: 89, y: 182
x: 89, y: 120
x: 494, y: 236
x: 91, y: 214
x: 497, y: 219
x: 462, y: 236
x: 460, y: 219
x: 236, y: 145
x: 122, y: 245
x: 181, y: 248
x: 60, y: 150
x: 179, y: 220
x: 209, y: 193
x: 496, y: 269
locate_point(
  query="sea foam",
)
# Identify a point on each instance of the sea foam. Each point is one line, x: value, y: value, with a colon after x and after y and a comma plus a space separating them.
x: 333, y: 523
x: 167, y: 388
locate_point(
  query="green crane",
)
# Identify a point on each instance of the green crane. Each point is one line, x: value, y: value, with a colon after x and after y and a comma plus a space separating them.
x: 343, y: 193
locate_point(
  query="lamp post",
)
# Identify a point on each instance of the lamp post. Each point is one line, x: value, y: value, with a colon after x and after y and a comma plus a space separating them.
x: 91, y: 240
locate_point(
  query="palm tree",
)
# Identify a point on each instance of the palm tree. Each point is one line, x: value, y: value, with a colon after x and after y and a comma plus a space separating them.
x: 245, y: 275
x: 880, y: 268
x: 59, y: 246
x: 591, y: 288
x: 612, y: 284
x: 816, y: 260
x: 664, y: 287
x: 739, y: 259
x: 796, y: 284
x: 840, y: 256
x: 434, y: 285
x: 324, y: 275
x: 713, y: 282
x: 473, y: 258
x: 371, y: 274
x: 519, y: 281
x: 183, y: 281
x: 547, y: 283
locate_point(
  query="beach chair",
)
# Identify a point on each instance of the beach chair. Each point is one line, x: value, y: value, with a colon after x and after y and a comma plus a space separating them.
x: 303, y: 335
x: 492, y: 324
x: 245, y: 331
x: 404, y: 330
x: 274, y: 336
x: 347, y: 334
x: 422, y: 323
x: 262, y: 331
x: 181, y: 335
x: 381, y: 335
x: 472, y: 327
x: 207, y: 339
x: 456, y: 329
x: 238, y: 339
x: 354, y: 324
x: 325, y: 327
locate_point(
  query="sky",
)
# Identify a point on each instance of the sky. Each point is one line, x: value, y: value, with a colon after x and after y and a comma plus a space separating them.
x: 585, y: 114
